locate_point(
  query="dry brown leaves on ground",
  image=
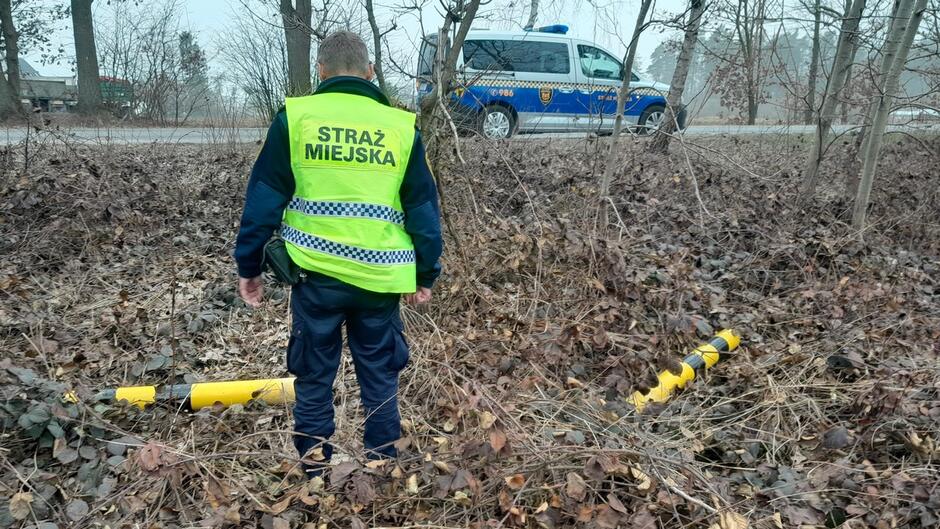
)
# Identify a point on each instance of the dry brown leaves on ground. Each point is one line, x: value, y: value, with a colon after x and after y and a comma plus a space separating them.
x: 117, y: 272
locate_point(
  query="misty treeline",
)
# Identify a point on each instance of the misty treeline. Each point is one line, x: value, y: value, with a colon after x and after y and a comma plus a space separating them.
x: 771, y: 61
x: 815, y: 62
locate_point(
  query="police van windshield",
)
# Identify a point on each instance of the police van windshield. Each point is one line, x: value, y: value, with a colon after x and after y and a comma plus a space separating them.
x: 517, y: 56
x: 599, y: 64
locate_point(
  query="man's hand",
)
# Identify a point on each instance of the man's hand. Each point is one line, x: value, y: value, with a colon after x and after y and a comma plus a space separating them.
x: 423, y: 295
x: 251, y: 290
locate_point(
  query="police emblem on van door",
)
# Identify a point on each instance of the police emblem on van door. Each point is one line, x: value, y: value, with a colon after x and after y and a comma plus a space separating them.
x: 545, y: 94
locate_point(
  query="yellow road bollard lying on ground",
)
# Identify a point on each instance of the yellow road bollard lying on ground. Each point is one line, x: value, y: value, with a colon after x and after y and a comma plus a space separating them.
x: 705, y: 355
x: 281, y: 390
x: 203, y: 394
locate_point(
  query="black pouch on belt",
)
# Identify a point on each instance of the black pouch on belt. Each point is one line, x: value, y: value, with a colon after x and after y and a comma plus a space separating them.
x: 277, y: 259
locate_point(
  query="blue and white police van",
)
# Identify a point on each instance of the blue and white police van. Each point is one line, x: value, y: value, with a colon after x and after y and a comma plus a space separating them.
x: 541, y: 80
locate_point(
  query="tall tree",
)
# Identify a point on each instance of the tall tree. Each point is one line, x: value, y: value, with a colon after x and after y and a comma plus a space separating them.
x: 445, y: 61
x: 813, y: 67
x: 377, y: 44
x: 86, y: 57
x: 679, y: 75
x: 11, y: 50
x: 626, y: 73
x: 533, y: 14
x: 296, y: 17
x: 889, y: 51
x: 741, y: 77
x: 255, y: 57
x: 898, y: 43
x: 841, y: 64
x: 6, y: 99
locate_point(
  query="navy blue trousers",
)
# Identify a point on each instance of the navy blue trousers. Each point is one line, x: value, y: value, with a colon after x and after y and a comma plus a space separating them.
x: 321, y: 306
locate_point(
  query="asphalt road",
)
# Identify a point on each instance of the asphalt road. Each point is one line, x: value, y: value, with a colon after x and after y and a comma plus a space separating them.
x: 206, y: 135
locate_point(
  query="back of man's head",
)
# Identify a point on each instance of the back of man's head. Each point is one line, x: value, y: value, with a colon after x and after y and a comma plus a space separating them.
x: 344, y: 53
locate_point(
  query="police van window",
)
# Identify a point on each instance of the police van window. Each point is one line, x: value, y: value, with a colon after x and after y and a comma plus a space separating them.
x: 517, y: 56
x: 426, y: 57
x: 597, y: 63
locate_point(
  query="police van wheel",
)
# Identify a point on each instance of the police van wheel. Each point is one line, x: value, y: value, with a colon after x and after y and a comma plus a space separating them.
x: 651, y: 119
x: 497, y: 122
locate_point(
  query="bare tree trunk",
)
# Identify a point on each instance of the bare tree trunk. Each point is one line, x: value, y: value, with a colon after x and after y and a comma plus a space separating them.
x: 844, y: 110
x: 377, y: 44
x: 845, y: 49
x: 626, y: 76
x: 11, y: 50
x: 297, y: 34
x: 752, y: 105
x: 533, y: 14
x: 6, y: 99
x: 86, y: 57
x: 813, y: 68
x: 900, y: 15
x: 899, y: 42
x: 448, y: 62
x: 677, y: 86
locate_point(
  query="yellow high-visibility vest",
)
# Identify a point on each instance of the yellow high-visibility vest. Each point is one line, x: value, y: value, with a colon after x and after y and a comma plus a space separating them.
x: 349, y: 154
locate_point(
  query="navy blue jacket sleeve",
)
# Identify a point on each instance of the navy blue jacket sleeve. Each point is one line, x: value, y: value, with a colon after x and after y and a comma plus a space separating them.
x: 270, y: 189
x: 422, y: 215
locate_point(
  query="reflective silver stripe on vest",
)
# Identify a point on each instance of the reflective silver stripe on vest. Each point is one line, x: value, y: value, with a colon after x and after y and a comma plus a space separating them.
x: 355, y: 253
x: 347, y: 209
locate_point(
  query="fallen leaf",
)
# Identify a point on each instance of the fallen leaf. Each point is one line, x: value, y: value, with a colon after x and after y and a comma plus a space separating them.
x: 487, y: 420
x: 232, y: 515
x: 575, y: 487
x: 282, y: 505
x: 642, y: 519
x: 363, y: 492
x: 76, y: 510
x: 20, y: 505
x: 443, y: 467
x: 411, y: 484
x: 376, y: 463
x: 836, y: 438
x: 462, y: 499
x: 515, y: 482
x: 644, y: 481
x: 497, y: 439
x: 593, y: 469
x: 67, y: 455
x: 616, y: 504
x: 505, y: 501
x: 585, y: 513
x: 153, y: 458
x: 731, y: 520
x: 340, y: 473
x: 606, y: 518
x: 305, y: 495
x: 574, y: 437
x: 217, y: 493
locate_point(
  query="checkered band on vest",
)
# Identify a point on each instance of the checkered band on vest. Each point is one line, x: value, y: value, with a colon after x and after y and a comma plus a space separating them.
x: 347, y: 209
x: 318, y: 244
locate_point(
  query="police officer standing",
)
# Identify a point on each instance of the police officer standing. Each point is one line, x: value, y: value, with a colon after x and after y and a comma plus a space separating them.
x: 343, y: 175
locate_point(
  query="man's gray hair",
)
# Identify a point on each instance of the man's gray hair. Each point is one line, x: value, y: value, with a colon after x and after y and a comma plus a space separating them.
x: 343, y: 52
